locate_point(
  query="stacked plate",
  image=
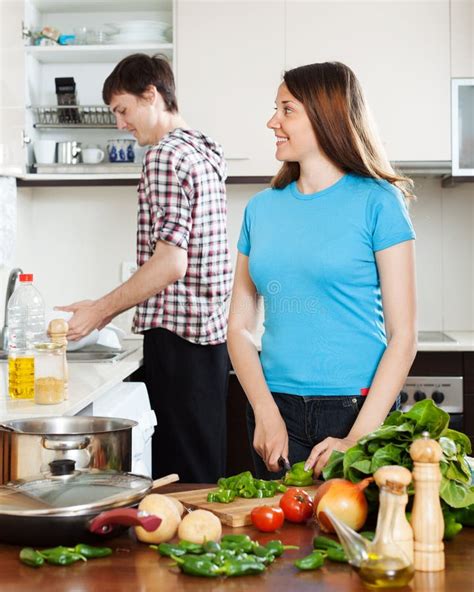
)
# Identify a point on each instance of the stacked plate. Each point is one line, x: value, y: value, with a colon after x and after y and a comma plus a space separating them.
x: 139, y: 32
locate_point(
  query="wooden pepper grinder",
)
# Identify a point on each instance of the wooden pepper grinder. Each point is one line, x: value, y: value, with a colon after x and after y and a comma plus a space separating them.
x: 57, y: 331
x: 427, y: 517
x: 398, y: 478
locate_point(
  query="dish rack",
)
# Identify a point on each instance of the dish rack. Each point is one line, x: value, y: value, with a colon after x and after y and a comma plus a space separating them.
x: 77, y: 116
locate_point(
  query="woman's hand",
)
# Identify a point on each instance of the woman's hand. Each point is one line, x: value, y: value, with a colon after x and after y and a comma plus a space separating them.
x: 320, y: 454
x: 270, y: 439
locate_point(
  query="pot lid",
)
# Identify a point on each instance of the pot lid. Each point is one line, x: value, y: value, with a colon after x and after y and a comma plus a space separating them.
x: 69, y: 426
x: 67, y: 492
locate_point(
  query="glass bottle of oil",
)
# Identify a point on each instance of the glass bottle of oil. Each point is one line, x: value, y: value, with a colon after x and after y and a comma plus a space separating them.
x: 386, y: 565
x: 21, y: 375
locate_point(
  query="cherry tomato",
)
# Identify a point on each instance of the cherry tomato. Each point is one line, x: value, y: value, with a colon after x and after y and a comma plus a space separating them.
x: 297, y: 505
x: 267, y: 519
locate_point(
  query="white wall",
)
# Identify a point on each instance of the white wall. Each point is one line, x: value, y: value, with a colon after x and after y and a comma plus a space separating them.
x: 74, y: 240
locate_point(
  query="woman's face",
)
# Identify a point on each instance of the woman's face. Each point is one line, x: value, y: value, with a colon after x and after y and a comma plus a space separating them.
x: 295, y: 138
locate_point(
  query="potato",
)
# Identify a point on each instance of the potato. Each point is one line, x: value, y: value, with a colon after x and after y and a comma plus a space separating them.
x: 162, y: 506
x: 200, y: 526
x: 178, y: 504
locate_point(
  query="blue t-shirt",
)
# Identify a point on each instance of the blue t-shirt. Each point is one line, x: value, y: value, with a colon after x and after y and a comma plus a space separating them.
x: 312, y: 258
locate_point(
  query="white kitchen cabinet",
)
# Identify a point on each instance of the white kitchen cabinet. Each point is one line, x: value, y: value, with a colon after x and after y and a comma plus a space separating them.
x: 462, y: 38
x: 28, y: 74
x: 230, y: 57
x: 12, y: 89
x: 399, y: 51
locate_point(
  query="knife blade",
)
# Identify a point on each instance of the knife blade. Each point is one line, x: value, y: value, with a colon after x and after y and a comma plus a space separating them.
x: 284, y: 464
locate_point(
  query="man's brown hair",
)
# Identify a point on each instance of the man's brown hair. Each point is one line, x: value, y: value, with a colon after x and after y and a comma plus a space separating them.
x: 135, y: 73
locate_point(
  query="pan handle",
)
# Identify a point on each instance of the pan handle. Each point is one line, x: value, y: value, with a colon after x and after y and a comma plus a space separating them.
x: 66, y: 444
x: 103, y: 523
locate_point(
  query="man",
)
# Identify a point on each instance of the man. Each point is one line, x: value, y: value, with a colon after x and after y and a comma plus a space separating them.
x: 184, y: 276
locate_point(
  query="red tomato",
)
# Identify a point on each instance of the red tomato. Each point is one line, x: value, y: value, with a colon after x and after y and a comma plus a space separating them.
x: 267, y: 519
x: 297, y: 505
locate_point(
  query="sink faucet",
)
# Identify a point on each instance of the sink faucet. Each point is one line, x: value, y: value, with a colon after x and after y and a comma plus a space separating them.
x: 12, y: 278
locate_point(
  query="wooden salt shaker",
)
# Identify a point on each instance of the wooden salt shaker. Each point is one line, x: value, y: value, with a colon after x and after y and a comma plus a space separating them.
x: 57, y: 331
x: 399, y: 478
x: 427, y: 517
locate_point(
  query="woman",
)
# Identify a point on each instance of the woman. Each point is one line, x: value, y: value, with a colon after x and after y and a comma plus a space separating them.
x: 330, y: 249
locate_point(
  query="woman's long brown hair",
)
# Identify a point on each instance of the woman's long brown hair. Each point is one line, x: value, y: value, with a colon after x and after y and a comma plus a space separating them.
x: 335, y: 104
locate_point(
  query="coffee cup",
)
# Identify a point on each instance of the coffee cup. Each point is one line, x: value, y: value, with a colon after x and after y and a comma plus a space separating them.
x: 45, y: 151
x: 113, y: 150
x: 92, y: 155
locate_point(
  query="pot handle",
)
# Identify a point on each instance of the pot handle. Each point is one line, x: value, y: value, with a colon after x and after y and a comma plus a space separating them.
x: 67, y: 444
x: 103, y: 523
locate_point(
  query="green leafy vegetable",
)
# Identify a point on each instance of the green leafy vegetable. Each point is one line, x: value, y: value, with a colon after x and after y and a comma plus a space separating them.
x: 390, y: 445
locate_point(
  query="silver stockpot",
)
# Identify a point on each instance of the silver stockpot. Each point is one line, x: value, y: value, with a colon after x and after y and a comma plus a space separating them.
x: 27, y: 446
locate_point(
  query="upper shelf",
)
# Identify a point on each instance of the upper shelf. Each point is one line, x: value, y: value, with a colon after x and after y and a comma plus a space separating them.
x: 101, y: 5
x: 76, y: 54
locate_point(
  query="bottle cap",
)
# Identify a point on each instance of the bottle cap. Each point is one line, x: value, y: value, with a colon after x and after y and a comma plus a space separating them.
x: 26, y: 277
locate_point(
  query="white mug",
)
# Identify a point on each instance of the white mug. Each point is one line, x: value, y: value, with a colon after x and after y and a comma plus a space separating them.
x: 45, y: 151
x: 92, y: 155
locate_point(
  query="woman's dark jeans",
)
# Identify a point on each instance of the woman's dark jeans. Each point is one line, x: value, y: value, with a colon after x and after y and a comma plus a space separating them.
x: 309, y: 420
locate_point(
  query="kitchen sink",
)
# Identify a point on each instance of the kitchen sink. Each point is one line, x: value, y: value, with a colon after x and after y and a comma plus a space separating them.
x: 92, y: 354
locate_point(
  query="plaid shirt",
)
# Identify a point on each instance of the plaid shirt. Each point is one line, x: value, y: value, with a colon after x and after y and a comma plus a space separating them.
x: 182, y: 201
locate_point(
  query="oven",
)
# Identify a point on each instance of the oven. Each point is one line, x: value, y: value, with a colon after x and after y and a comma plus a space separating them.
x: 445, y: 391
x: 444, y: 375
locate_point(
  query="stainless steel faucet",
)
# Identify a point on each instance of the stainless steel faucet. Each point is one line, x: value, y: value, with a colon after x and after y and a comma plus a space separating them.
x: 12, y: 278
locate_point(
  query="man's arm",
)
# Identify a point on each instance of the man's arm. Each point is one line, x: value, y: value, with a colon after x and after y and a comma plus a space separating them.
x: 167, y: 265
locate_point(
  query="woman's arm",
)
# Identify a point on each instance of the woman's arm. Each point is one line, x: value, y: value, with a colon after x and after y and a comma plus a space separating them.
x: 271, y: 437
x: 396, y: 267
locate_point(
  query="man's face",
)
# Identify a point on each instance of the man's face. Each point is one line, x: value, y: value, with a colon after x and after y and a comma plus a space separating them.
x: 143, y: 116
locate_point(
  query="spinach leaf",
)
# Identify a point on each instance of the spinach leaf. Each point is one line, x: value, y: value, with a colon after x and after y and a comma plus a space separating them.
x: 334, y: 467
x: 456, y: 494
x: 462, y: 441
x: 388, y: 455
x: 403, y: 431
x: 428, y: 417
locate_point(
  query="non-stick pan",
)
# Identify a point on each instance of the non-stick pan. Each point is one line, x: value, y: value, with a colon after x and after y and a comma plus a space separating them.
x: 75, y: 506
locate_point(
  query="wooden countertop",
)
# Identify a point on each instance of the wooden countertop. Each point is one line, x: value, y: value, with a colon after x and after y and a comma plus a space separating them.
x: 136, y: 568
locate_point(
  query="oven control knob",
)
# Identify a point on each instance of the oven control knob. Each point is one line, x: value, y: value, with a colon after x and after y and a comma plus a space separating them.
x: 403, y: 397
x: 438, y: 397
x: 419, y: 396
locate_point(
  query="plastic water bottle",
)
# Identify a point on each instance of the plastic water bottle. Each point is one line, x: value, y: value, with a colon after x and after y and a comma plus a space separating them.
x: 26, y: 325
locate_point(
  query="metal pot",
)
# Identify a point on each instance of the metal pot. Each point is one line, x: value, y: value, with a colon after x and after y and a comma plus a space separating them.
x: 27, y: 446
x: 66, y: 506
x: 69, y: 152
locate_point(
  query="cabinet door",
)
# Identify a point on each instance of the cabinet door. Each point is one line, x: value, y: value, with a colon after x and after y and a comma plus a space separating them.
x: 462, y: 38
x: 12, y: 88
x: 399, y: 51
x: 230, y: 58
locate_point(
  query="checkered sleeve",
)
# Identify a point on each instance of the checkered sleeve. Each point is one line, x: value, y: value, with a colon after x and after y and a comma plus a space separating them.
x: 169, y: 188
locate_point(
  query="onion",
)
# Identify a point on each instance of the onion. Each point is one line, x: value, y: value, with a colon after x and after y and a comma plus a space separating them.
x: 345, y: 499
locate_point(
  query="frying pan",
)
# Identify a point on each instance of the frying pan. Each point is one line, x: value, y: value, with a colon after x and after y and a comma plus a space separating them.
x: 75, y: 506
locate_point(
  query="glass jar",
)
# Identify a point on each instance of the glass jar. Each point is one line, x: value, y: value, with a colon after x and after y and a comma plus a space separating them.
x: 49, y: 373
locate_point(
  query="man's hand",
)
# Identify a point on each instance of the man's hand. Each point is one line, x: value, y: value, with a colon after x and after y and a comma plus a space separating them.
x: 321, y: 452
x: 88, y: 315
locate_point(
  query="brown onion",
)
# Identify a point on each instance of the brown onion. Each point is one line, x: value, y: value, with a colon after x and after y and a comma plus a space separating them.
x: 345, y: 499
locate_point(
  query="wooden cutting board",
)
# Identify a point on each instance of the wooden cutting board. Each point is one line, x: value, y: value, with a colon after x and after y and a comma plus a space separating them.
x: 236, y: 513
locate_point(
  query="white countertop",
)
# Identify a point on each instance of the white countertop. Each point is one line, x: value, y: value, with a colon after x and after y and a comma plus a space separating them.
x: 464, y: 342
x: 87, y: 382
